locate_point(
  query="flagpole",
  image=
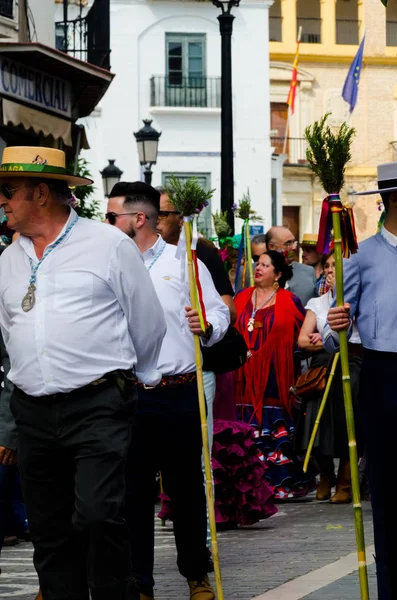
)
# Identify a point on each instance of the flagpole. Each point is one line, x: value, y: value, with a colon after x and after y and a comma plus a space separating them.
x: 287, y: 130
x: 292, y: 91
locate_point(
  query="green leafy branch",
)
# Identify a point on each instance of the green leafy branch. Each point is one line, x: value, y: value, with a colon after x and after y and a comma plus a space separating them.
x: 328, y: 153
x: 244, y: 210
x: 189, y: 198
x: 221, y: 225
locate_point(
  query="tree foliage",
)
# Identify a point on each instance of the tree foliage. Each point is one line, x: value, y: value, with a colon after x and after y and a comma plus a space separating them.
x: 328, y: 153
x: 88, y: 207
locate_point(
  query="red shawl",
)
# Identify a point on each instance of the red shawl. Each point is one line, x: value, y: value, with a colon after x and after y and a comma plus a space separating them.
x: 273, y: 344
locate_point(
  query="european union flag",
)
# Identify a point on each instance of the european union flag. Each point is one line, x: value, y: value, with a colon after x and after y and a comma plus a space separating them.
x: 350, y: 89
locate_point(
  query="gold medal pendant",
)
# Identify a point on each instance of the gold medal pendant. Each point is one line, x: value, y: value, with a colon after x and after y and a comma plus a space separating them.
x: 250, y: 325
x: 29, y: 299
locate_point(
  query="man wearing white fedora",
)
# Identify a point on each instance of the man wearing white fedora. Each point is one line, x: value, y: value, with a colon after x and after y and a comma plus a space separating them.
x: 81, y: 321
x: 370, y: 294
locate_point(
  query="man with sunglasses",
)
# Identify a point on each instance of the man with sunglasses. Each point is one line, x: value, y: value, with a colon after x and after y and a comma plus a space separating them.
x: 167, y: 435
x: 303, y: 283
x: 81, y: 321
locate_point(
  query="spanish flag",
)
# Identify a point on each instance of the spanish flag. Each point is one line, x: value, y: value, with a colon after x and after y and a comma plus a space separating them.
x: 294, y: 81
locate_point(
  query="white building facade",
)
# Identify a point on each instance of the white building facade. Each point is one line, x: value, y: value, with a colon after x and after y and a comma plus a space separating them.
x: 167, y: 60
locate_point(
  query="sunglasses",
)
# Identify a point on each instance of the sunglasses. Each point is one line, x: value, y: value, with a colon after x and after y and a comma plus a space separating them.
x: 7, y: 191
x: 164, y: 214
x: 112, y: 216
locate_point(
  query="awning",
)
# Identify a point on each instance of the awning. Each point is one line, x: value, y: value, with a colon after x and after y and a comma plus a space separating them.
x: 41, y: 123
x: 89, y: 82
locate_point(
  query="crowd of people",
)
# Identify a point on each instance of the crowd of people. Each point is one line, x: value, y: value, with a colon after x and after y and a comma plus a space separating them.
x: 100, y: 388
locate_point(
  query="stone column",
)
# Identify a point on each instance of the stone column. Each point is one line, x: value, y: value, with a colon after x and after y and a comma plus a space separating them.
x: 288, y: 24
x: 328, y: 23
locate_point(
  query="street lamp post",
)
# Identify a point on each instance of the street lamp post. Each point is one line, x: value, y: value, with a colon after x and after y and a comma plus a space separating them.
x: 110, y: 176
x: 147, y: 140
x: 227, y: 170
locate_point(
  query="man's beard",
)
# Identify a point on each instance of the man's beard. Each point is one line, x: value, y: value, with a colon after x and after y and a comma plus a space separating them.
x: 131, y: 232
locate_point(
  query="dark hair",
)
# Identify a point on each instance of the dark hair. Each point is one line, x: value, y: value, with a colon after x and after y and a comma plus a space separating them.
x: 259, y: 239
x: 280, y: 266
x: 325, y: 257
x: 386, y: 200
x: 137, y: 192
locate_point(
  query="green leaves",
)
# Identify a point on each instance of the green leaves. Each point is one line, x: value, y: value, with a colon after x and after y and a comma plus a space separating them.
x: 189, y: 198
x: 244, y: 210
x: 384, y: 2
x: 328, y: 153
x: 221, y: 225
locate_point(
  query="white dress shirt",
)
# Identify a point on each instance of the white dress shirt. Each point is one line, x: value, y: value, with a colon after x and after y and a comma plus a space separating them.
x: 388, y: 236
x: 320, y: 306
x: 96, y: 311
x: 177, y: 352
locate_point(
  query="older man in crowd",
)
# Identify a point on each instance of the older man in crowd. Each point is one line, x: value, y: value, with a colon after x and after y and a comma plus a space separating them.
x: 80, y: 320
x: 303, y: 282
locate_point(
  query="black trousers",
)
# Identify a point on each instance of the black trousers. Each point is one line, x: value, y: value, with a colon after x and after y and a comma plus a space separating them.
x: 167, y: 437
x: 378, y: 408
x: 72, y: 450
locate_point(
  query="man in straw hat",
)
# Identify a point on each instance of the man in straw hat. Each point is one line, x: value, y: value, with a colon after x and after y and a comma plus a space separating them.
x: 80, y: 318
x: 370, y: 297
x: 314, y: 259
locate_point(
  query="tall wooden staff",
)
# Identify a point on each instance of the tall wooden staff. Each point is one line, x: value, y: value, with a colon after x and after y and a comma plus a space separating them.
x: 328, y: 153
x: 189, y: 199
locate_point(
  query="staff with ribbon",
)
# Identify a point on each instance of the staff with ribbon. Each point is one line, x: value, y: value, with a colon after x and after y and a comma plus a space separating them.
x: 189, y: 200
x: 327, y: 154
x: 244, y: 260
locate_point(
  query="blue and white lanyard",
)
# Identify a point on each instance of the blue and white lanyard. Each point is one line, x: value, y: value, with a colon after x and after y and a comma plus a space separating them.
x: 33, y: 268
x: 159, y: 253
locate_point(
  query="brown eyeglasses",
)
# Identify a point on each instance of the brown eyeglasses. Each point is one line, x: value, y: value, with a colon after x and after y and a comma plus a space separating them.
x: 164, y: 214
x: 112, y: 216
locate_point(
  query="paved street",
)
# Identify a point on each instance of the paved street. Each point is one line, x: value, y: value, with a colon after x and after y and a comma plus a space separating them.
x: 288, y: 550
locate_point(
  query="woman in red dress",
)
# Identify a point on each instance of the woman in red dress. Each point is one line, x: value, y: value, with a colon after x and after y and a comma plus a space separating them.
x: 270, y: 318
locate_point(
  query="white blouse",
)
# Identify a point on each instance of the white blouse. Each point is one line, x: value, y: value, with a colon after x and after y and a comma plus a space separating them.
x: 320, y: 306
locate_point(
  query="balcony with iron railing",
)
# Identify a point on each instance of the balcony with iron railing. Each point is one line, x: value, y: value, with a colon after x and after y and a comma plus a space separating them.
x: 185, y: 92
x: 294, y: 148
x: 311, y: 29
x: 87, y: 37
x: 347, y: 31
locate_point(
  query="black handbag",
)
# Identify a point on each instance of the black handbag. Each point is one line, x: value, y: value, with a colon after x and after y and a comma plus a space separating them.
x: 227, y: 355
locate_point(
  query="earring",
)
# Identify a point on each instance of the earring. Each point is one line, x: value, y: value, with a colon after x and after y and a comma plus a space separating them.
x: 276, y: 285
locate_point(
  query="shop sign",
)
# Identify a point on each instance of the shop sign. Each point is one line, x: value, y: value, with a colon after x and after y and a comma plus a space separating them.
x: 34, y: 87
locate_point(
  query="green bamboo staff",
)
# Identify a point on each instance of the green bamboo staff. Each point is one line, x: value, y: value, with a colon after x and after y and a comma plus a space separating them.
x: 320, y: 412
x: 247, y: 214
x: 328, y: 153
x: 189, y: 199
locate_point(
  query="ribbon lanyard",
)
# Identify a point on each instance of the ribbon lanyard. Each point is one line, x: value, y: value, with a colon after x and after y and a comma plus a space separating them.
x: 29, y: 299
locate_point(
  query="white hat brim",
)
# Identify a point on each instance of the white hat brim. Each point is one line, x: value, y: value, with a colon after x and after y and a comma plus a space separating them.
x: 378, y: 191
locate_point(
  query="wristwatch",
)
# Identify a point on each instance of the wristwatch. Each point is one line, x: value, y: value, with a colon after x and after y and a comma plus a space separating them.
x: 209, y: 330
